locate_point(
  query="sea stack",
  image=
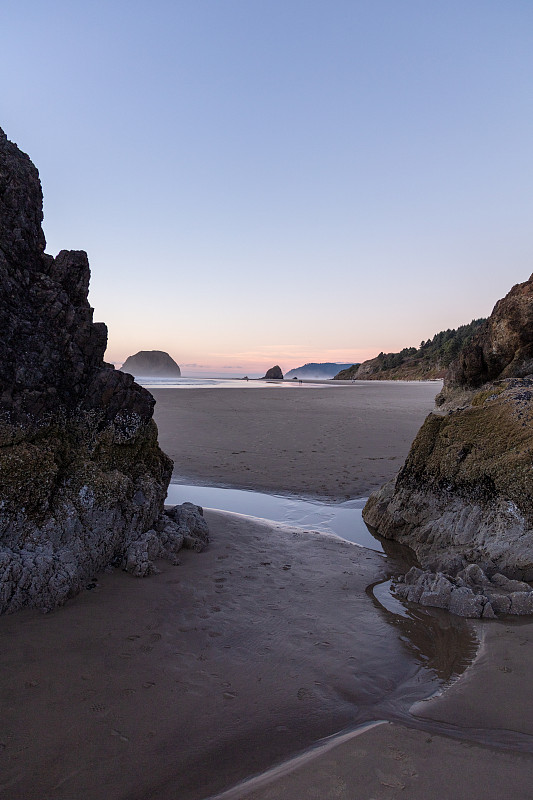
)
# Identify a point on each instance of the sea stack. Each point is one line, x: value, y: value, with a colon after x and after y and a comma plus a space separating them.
x: 463, y: 500
x: 273, y: 374
x: 82, y: 477
x: 151, y: 364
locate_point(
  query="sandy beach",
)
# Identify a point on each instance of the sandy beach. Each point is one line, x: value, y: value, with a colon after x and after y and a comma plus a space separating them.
x: 238, y: 662
x: 336, y: 441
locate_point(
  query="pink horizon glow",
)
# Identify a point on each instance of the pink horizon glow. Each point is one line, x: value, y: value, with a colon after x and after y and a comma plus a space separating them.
x: 256, y: 366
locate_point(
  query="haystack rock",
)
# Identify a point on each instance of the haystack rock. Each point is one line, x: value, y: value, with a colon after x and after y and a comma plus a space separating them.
x: 274, y: 374
x: 463, y: 500
x: 82, y: 478
x: 151, y: 364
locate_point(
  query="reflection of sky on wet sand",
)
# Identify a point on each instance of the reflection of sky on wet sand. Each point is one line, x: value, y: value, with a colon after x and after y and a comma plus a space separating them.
x: 225, y: 383
x: 443, y: 643
x: 341, y: 519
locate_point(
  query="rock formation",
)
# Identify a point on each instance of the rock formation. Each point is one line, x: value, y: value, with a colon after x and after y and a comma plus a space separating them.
x: 82, y: 478
x: 151, y: 364
x: 464, y: 497
x: 273, y: 374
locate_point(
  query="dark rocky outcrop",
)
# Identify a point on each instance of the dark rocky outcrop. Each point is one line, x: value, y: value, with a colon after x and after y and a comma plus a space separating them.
x: 151, y: 364
x: 465, y: 493
x: 82, y: 478
x: 503, y: 346
x: 273, y: 374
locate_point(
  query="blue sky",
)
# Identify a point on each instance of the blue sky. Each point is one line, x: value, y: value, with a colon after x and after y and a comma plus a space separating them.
x: 279, y: 182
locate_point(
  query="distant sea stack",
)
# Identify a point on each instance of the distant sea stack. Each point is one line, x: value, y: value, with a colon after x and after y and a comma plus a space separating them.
x: 316, y: 371
x: 82, y: 478
x: 273, y: 374
x: 151, y: 364
x: 463, y: 501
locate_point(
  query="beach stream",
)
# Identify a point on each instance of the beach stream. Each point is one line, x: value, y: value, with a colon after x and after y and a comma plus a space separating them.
x: 400, y: 655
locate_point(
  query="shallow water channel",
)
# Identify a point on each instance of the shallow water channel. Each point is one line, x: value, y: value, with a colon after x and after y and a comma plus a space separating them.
x: 360, y: 655
x: 344, y: 520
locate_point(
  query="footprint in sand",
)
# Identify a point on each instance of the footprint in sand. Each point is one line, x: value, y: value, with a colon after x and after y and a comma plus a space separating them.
x: 119, y: 735
x: 100, y: 708
x: 229, y: 695
x: 145, y: 648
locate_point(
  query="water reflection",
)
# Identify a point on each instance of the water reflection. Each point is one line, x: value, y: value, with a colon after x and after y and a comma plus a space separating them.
x: 441, y: 644
x: 341, y: 519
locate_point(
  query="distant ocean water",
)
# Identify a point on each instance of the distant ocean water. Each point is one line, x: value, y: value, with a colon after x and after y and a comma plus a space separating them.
x: 215, y: 383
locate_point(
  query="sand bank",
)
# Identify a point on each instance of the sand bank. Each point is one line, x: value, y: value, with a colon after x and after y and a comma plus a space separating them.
x: 337, y: 441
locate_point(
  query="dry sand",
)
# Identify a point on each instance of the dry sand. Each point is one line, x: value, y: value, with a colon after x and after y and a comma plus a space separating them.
x: 180, y: 685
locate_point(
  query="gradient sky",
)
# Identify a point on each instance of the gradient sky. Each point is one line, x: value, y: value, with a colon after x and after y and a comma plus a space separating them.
x: 279, y: 181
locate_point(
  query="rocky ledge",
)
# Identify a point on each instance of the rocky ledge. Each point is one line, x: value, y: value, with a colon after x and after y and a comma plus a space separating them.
x: 464, y: 497
x: 82, y: 478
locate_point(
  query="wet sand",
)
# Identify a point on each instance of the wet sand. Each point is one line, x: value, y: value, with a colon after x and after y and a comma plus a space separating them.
x: 473, y: 742
x: 339, y: 441
x: 183, y: 684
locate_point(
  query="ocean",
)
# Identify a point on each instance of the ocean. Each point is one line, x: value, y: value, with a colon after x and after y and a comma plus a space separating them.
x: 223, y: 383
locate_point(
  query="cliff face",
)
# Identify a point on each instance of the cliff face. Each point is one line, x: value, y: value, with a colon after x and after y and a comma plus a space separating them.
x: 503, y: 347
x: 151, y: 363
x: 82, y: 478
x: 465, y: 494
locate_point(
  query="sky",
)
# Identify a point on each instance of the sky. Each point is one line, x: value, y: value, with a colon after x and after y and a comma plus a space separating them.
x: 262, y: 182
